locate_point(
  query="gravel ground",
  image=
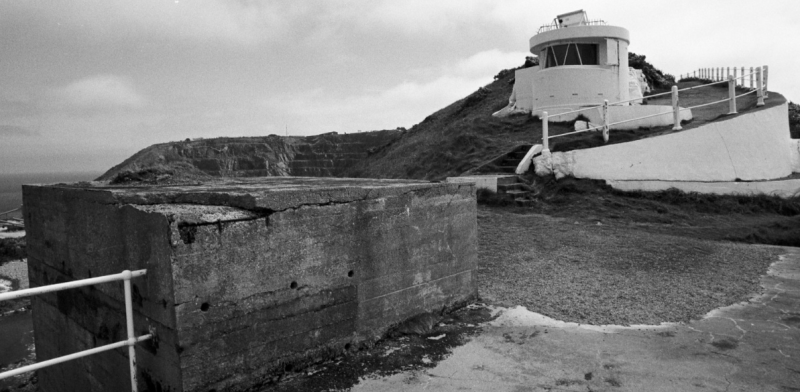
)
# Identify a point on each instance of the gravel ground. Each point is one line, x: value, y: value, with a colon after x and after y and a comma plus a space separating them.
x: 592, y: 273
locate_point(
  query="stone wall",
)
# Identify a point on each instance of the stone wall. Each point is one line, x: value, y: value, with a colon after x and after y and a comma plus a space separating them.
x: 245, y: 277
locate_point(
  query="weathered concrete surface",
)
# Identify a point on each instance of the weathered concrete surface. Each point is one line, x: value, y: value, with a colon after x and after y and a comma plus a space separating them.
x: 754, y: 346
x: 750, y: 146
x: 244, y: 276
x: 486, y: 181
x: 782, y: 188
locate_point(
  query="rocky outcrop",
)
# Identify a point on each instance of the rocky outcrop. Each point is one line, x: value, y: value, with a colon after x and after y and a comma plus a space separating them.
x: 326, y: 155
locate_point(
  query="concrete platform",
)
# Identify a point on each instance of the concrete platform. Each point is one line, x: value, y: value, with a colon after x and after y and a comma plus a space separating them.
x: 486, y: 181
x: 753, y: 346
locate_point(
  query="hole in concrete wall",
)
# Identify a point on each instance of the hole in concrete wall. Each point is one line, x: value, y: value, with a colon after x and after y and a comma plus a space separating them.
x: 351, y: 273
x: 347, y: 346
x: 293, y: 285
x: 204, y: 307
x: 188, y: 233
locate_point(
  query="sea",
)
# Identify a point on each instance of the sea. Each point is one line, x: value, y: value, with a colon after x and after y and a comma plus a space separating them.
x: 11, y: 185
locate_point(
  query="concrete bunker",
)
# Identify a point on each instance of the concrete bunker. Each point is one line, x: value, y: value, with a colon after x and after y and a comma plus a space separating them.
x: 246, y: 278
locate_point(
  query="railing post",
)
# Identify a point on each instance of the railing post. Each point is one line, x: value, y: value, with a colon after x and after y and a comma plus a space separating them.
x: 545, y: 133
x: 731, y: 94
x: 760, y: 90
x: 734, y: 76
x: 718, y: 73
x: 605, y: 121
x: 131, y: 334
x: 752, y: 76
x: 766, y: 81
x: 742, y: 77
x: 676, y: 115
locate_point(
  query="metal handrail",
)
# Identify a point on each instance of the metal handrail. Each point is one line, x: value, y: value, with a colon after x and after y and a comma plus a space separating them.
x: 760, y: 73
x: 126, y: 277
x: 10, y: 211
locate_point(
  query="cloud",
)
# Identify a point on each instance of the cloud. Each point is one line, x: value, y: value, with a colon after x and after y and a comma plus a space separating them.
x: 16, y: 131
x: 403, y: 104
x: 99, y: 92
x: 241, y: 22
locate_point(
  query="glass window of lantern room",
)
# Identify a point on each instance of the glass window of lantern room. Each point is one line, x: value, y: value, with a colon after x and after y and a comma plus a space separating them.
x: 572, y: 57
x: 572, y: 54
x: 588, y: 54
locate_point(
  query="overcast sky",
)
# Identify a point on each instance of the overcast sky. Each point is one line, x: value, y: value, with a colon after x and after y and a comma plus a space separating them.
x: 86, y: 83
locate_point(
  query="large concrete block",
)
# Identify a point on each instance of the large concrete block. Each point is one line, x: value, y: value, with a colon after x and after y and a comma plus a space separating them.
x: 244, y: 276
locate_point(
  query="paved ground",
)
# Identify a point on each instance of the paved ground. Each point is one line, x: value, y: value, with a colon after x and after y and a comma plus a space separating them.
x: 753, y: 346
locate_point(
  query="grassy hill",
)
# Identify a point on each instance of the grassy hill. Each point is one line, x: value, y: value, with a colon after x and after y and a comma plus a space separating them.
x: 462, y: 137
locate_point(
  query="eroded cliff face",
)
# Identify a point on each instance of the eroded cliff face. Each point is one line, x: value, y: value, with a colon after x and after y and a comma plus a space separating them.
x: 326, y: 155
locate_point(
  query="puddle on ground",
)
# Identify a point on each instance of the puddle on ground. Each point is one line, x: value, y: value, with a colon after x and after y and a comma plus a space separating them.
x: 521, y: 316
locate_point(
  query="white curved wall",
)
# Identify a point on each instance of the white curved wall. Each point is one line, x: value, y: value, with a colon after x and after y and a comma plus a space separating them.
x: 572, y: 86
x: 751, y: 146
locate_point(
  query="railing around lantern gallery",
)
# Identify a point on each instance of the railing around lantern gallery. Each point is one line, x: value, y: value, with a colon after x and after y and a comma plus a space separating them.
x: 125, y: 276
x: 555, y: 25
x: 759, y: 73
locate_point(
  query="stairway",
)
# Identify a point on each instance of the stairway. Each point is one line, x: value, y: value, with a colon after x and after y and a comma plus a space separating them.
x: 509, y: 162
x: 514, y: 189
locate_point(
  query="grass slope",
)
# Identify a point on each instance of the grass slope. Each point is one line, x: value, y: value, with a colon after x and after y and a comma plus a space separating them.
x: 460, y: 137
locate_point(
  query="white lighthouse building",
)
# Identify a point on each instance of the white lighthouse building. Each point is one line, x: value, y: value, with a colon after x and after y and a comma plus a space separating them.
x: 582, y: 63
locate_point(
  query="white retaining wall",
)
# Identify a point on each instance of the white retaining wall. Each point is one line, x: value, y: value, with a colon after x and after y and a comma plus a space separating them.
x: 751, y: 146
x: 784, y: 188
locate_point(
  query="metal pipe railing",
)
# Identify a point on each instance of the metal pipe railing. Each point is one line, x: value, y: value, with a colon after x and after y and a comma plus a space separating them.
x: 760, y: 74
x: 126, y: 277
x: 10, y: 211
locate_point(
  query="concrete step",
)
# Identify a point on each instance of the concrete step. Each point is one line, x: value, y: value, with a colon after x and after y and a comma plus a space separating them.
x: 507, y: 179
x: 511, y: 187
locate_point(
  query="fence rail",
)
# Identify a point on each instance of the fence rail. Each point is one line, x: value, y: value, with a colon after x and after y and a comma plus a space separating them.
x: 757, y: 75
x: 723, y: 73
x: 126, y: 277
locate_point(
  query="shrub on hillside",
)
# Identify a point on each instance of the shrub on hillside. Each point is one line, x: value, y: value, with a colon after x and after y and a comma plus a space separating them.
x: 655, y: 78
x: 794, y: 120
x: 475, y: 98
x: 530, y: 61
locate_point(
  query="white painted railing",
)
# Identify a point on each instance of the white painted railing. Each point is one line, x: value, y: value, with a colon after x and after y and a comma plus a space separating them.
x: 723, y: 73
x: 759, y: 73
x: 125, y: 276
x: 555, y: 26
